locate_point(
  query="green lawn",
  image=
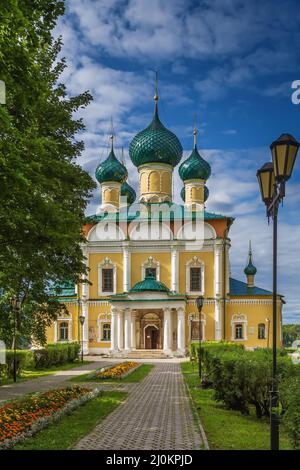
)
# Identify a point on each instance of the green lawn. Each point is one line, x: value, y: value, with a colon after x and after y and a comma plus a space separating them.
x: 136, y: 376
x: 227, y: 429
x: 28, y: 374
x: 64, y: 434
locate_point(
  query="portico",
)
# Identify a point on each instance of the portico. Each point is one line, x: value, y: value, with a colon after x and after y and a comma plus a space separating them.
x: 148, y: 317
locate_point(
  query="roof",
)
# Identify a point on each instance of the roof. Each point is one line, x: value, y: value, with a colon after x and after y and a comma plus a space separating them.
x: 241, y: 288
x: 149, y: 284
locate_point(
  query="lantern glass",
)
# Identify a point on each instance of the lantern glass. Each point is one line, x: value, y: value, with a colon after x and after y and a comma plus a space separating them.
x: 81, y: 319
x: 284, y: 152
x: 266, y: 179
x: 200, y: 302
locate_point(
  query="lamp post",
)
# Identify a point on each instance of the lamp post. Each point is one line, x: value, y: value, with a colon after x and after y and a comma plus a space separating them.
x: 199, y: 303
x: 272, y: 177
x: 16, y: 305
x: 268, y: 333
x: 82, y: 320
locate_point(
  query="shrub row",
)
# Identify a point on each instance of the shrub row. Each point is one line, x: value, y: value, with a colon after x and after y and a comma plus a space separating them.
x: 51, y: 355
x: 243, y: 378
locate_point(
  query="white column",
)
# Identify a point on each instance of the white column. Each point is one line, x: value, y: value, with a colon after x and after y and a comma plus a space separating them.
x: 55, y: 331
x: 167, y: 330
x: 218, y: 269
x: 120, y: 329
x: 133, y: 329
x: 114, y: 330
x: 85, y: 285
x: 127, y: 329
x: 174, y: 270
x: 126, y: 269
x: 227, y: 267
x: 218, y: 323
x: 180, y: 331
x: 85, y: 313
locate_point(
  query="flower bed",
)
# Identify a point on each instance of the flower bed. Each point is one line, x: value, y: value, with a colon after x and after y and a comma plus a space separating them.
x: 118, y: 371
x: 22, y: 419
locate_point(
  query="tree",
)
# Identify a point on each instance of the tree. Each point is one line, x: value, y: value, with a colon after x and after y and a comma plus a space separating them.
x: 43, y: 191
x: 290, y: 334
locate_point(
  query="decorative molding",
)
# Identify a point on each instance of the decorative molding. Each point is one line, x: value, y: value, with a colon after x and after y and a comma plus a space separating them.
x: 195, y: 262
x: 150, y: 263
x: 107, y: 264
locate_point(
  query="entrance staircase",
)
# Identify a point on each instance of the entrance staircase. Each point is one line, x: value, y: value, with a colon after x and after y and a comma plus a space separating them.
x: 146, y: 354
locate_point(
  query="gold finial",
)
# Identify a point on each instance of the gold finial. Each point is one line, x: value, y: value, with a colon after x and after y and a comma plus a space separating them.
x: 156, y: 86
x: 112, y: 134
x: 195, y: 130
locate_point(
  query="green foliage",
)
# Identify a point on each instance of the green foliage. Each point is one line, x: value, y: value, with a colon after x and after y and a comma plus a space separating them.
x: 290, y: 334
x: 44, y: 192
x: 290, y: 397
x: 24, y: 359
x: 56, y: 354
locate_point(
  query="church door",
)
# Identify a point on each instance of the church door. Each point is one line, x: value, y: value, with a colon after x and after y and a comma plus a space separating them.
x: 151, y: 337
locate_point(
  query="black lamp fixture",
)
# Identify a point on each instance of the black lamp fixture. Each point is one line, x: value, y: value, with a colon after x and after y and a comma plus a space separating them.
x: 82, y: 320
x: 272, y: 177
x: 16, y: 307
x: 200, y: 303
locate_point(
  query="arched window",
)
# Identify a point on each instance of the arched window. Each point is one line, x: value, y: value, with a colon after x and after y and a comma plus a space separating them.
x: 239, y: 331
x: 63, y: 331
x: 261, y: 331
x: 151, y: 265
x: 106, y: 332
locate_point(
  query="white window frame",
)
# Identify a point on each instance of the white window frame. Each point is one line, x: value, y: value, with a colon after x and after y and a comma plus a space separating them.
x: 195, y: 262
x: 150, y: 263
x: 56, y: 330
x: 265, y: 331
x: 239, y: 318
x: 107, y: 264
x: 103, y: 318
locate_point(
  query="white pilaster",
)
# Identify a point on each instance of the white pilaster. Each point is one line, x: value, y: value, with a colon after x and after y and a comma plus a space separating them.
x: 85, y: 313
x: 55, y: 332
x: 120, y: 329
x: 133, y: 330
x: 85, y: 285
x: 126, y: 269
x: 174, y: 270
x: 114, y: 330
x: 127, y: 329
x: 218, y: 268
x: 218, y: 323
x: 167, y: 330
x: 180, y: 331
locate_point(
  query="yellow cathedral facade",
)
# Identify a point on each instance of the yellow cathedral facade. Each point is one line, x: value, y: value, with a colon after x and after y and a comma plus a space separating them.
x: 149, y: 259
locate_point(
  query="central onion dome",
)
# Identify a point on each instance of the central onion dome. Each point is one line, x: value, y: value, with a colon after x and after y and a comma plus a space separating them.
x: 111, y: 169
x: 194, y: 167
x: 155, y: 144
x: 129, y: 192
x: 149, y: 284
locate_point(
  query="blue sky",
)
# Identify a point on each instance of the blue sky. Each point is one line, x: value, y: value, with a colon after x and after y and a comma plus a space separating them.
x: 230, y: 61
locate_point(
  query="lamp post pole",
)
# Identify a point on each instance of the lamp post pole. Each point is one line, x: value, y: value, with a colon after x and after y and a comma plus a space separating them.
x: 16, y: 304
x: 272, y: 178
x: 199, y: 303
x: 82, y: 320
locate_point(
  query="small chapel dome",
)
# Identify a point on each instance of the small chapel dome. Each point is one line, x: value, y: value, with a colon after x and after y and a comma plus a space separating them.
x: 194, y: 167
x: 250, y: 269
x: 129, y: 192
x: 111, y: 169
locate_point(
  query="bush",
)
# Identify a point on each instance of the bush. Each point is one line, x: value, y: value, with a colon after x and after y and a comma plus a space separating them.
x: 289, y: 392
x: 56, y: 354
x: 24, y: 359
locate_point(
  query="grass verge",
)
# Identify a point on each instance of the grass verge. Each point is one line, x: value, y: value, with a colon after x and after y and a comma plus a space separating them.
x: 227, y: 429
x: 64, y: 434
x: 136, y: 376
x: 29, y: 374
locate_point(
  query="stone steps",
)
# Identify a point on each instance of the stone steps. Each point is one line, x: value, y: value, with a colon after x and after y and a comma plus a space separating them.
x: 146, y: 354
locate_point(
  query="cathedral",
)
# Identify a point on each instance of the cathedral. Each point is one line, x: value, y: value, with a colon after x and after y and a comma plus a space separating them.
x: 150, y: 259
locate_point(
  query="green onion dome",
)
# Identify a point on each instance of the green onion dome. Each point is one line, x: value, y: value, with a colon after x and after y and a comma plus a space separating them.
x: 250, y: 269
x: 206, y: 193
x: 194, y: 167
x: 149, y: 284
x: 111, y: 169
x: 129, y: 192
x: 155, y: 144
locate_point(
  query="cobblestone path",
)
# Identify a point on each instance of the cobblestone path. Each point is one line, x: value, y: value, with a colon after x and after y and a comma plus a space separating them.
x: 156, y: 415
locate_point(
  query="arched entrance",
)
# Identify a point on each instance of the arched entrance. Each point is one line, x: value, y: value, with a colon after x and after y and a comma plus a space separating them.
x: 151, y: 337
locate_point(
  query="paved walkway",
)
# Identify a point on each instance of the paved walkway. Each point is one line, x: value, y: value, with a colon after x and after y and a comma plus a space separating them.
x: 11, y: 391
x: 156, y: 415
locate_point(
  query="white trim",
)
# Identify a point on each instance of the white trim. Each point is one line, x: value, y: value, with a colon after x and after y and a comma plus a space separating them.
x: 239, y: 318
x: 107, y: 264
x: 103, y: 318
x: 195, y: 262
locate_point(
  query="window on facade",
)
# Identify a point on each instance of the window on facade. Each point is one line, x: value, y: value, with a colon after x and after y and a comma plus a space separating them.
x: 239, y: 331
x: 195, y: 279
x: 150, y: 271
x: 63, y: 331
x: 107, y: 280
x: 106, y: 332
x: 261, y: 331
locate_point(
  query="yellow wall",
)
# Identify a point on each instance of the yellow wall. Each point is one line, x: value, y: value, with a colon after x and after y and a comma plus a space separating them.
x: 97, y: 258
x: 164, y: 259
x: 208, y: 260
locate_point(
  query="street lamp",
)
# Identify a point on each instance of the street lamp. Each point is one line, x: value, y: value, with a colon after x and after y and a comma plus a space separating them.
x: 82, y: 320
x: 272, y: 178
x: 200, y: 303
x: 16, y: 305
x: 268, y: 333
